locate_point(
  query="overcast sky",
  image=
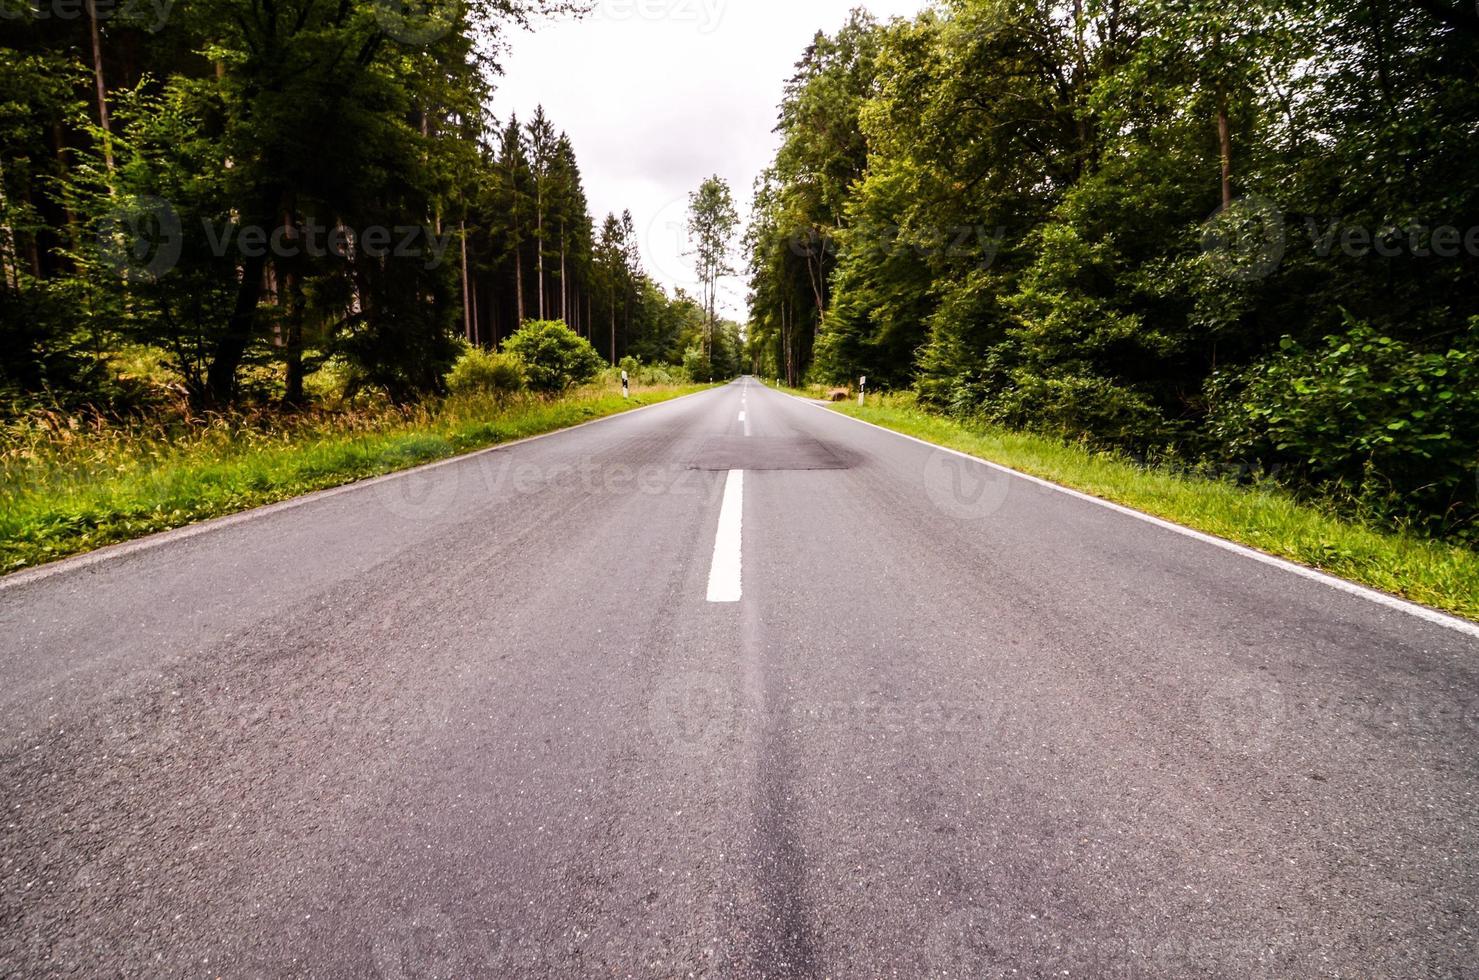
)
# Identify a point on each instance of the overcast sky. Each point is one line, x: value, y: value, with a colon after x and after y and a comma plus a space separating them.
x: 659, y: 94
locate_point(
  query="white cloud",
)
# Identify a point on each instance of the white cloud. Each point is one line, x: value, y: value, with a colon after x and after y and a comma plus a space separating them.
x: 659, y: 94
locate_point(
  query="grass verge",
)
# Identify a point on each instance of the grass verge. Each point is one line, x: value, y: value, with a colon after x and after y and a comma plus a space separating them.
x: 1432, y: 573
x: 69, y: 488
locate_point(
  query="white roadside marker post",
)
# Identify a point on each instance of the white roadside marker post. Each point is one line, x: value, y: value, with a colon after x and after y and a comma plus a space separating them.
x: 625, y: 389
x: 862, y: 387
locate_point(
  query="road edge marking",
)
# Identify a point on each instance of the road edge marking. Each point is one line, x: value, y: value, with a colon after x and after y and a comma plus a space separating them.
x: 726, y: 571
x: 123, y: 549
x: 1386, y: 599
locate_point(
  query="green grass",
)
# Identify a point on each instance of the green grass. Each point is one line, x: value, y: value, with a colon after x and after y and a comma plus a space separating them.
x: 68, y: 487
x: 1433, y: 573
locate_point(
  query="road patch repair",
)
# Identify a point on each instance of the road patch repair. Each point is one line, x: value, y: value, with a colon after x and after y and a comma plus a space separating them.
x: 720, y: 453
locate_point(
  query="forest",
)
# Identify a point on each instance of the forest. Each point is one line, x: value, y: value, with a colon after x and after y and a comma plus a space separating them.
x: 228, y: 203
x: 1241, y: 239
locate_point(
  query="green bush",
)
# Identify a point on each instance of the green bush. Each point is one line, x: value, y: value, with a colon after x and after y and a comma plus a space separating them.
x: 1068, y: 406
x: 648, y: 375
x: 696, y: 365
x: 482, y: 372
x: 554, y: 357
x: 1366, y: 417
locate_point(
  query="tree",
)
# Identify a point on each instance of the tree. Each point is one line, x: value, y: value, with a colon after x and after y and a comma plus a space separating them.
x: 712, y: 221
x: 612, y: 273
x: 1005, y: 205
x: 542, y: 148
x: 511, y: 201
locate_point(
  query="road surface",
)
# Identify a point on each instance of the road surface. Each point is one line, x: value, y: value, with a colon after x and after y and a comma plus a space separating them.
x: 731, y: 686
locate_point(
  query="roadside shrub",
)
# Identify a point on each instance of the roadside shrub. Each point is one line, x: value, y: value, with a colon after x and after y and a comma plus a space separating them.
x: 482, y: 372
x: 1368, y: 418
x: 1075, y: 407
x: 553, y: 356
x: 696, y: 364
x: 648, y: 375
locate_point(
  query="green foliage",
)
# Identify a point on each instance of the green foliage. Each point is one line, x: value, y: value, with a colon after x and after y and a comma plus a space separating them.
x: 712, y: 221
x: 321, y: 184
x: 696, y: 364
x: 483, y: 372
x: 800, y: 205
x: 1071, y: 218
x: 553, y: 356
x: 1367, y: 417
x: 647, y: 375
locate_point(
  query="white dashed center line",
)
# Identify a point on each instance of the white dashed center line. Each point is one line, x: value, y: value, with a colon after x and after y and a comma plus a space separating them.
x: 725, y: 580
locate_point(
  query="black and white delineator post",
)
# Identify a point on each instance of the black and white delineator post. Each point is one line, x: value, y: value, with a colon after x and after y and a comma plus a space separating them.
x: 862, y: 385
x: 625, y: 387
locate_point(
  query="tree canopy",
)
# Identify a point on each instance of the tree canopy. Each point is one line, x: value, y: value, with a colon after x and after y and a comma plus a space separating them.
x: 245, y: 192
x: 1145, y: 223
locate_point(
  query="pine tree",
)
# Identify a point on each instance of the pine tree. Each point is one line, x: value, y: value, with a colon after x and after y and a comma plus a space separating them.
x: 542, y: 146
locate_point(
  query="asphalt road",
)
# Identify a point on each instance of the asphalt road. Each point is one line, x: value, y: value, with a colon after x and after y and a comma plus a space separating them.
x: 483, y: 720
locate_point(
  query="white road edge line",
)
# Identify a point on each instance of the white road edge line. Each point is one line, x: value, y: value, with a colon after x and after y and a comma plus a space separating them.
x: 725, y: 574
x: 30, y: 576
x: 1380, y: 598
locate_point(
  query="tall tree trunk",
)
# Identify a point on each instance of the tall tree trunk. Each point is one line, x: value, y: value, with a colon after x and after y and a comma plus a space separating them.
x: 293, y: 395
x: 788, y: 343
x: 33, y: 250
x: 1224, y: 140
x: 539, y: 241
x: 613, y: 328
x: 292, y: 301
x: 64, y: 164
x: 231, y: 348
x: 467, y: 330
x: 9, y: 267
x: 495, y: 318
x: 102, y: 87
x: 564, y: 287
x: 815, y: 274
x: 477, y: 327
x: 1080, y: 84
x: 519, y: 284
